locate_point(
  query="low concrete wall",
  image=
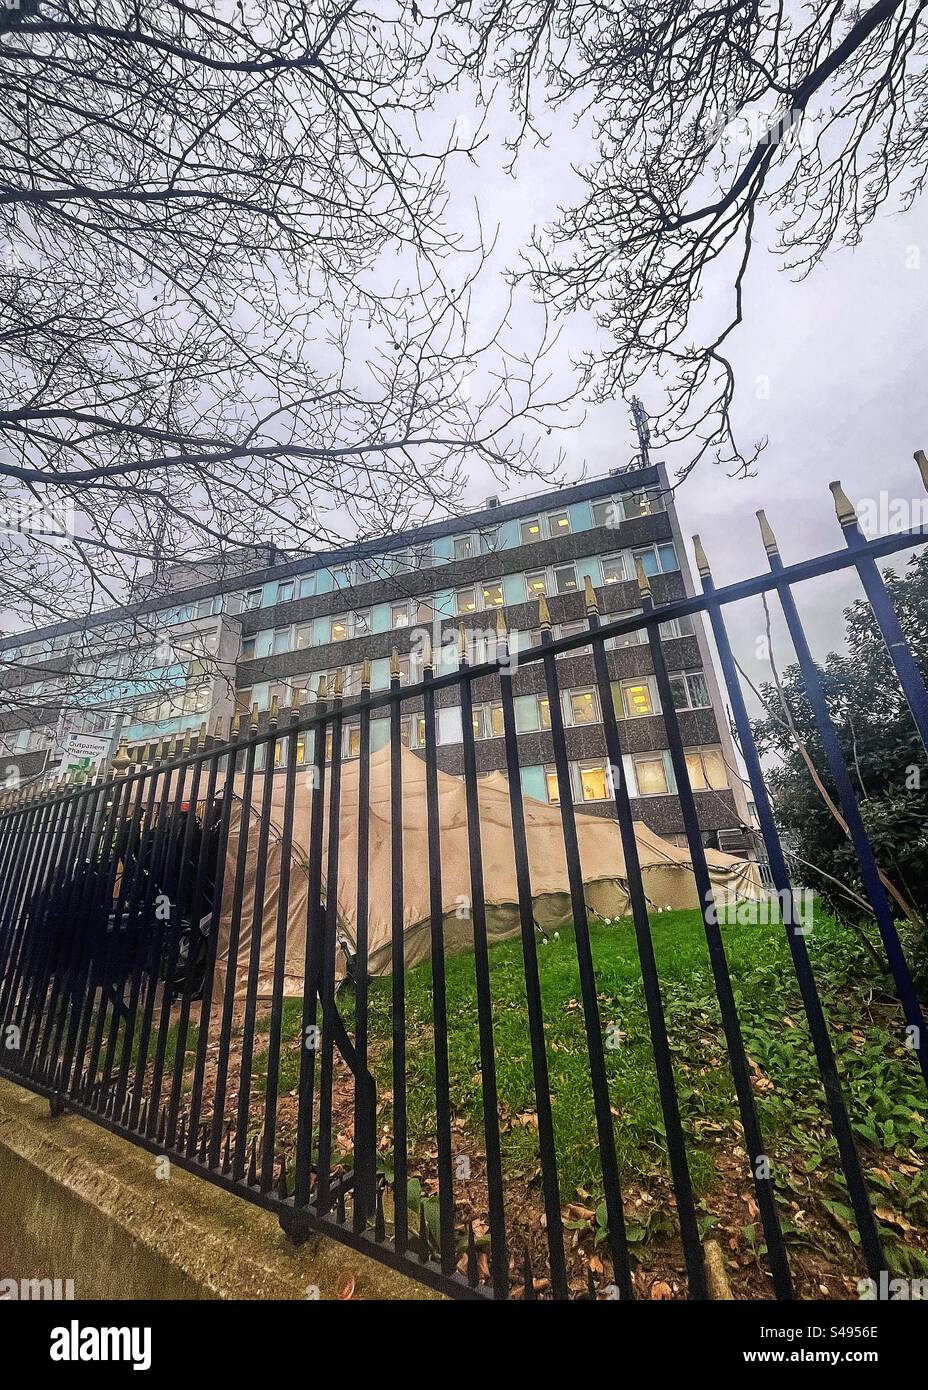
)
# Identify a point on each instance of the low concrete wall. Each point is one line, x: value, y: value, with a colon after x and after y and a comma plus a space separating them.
x: 77, y: 1203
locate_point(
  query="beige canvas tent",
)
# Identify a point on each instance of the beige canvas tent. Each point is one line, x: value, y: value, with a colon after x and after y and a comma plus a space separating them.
x: 666, y: 871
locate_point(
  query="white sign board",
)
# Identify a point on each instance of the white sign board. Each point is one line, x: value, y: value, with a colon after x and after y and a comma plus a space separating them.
x: 78, y: 748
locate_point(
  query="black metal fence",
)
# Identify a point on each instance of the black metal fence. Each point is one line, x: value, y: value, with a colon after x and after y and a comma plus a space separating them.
x: 115, y: 1009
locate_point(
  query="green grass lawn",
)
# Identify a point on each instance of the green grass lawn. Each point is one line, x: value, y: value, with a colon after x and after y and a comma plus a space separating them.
x: 881, y: 1079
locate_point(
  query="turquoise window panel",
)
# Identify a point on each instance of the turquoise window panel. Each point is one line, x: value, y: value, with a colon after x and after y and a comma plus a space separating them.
x: 581, y: 518
x: 592, y: 566
x: 325, y: 583
x: 526, y: 712
x: 514, y: 588
x: 443, y: 549
x: 533, y: 783
x: 380, y: 673
x: 380, y: 734
x: 508, y: 534
x: 380, y: 617
x: 321, y: 631
x: 445, y: 605
x: 263, y: 643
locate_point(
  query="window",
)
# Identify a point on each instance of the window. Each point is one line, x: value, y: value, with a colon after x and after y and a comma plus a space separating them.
x: 492, y: 594
x: 488, y: 721
x: 281, y: 641
x: 252, y: 599
x: 559, y: 524
x: 535, y: 585
x: 399, y: 614
x: 248, y: 648
x: 338, y: 629
x: 307, y: 586
x: 651, y: 776
x: 361, y: 622
x: 285, y: 591
x: 467, y: 600
x: 530, y: 531
x: 626, y: 639
x: 583, y: 706
x: 343, y: 576
x: 678, y: 627
x: 690, y: 690
x: 569, y: 630
x: 656, y: 559
x: 544, y: 712
x: 551, y: 786
x: 613, y: 569
x: 489, y: 541
x: 565, y: 579
x: 234, y: 603
x: 351, y: 741
x: 464, y: 547
x: 594, y: 784
x: 607, y: 513
x: 423, y: 610
x: 303, y: 637
x: 706, y: 768
x: 637, y: 698
x: 644, y: 503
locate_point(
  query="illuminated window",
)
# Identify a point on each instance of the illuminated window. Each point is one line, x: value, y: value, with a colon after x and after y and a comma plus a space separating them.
x: 495, y: 721
x: 565, y: 579
x: 651, y: 776
x: 644, y: 503
x: 706, y: 768
x: 558, y: 524
x: 338, y: 629
x: 584, y: 708
x: 636, y: 699
x: 544, y: 712
x: 530, y: 531
x: 492, y: 595
x: 613, y: 569
x: 626, y: 639
x: 467, y: 600
x: 423, y: 610
x: 535, y: 585
x: 351, y: 741
x: 303, y: 636
x: 593, y: 783
x: 554, y: 796
x: 405, y: 731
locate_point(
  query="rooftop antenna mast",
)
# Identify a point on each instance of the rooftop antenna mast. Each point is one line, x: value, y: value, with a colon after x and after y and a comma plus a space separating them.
x: 640, y: 421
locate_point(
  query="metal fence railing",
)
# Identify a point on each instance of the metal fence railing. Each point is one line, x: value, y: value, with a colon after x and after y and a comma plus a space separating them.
x: 144, y: 957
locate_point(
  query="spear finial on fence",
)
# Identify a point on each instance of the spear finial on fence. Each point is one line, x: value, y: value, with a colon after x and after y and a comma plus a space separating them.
x: 766, y: 533
x: 644, y: 583
x: 275, y: 709
x: 462, y: 644
x: 427, y: 662
x: 844, y: 507
x: 234, y: 727
x: 702, y: 560
x: 922, y: 462
x: 544, y: 614
x: 366, y: 673
x: 254, y: 715
x: 187, y: 740
x: 502, y: 632
x: 217, y: 730
x: 339, y: 683
x: 589, y: 593
x: 394, y: 665
x: 322, y: 690
x: 201, y: 736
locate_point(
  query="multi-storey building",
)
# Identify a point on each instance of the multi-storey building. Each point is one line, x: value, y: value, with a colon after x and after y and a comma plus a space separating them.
x: 234, y: 643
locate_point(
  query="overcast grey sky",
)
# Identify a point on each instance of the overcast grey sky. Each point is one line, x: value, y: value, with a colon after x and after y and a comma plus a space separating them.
x: 841, y: 362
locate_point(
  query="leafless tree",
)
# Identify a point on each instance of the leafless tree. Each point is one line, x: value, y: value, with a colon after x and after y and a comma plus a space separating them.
x: 711, y: 125
x: 231, y: 306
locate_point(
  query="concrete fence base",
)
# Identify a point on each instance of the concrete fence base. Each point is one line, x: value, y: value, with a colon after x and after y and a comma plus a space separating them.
x: 80, y: 1204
